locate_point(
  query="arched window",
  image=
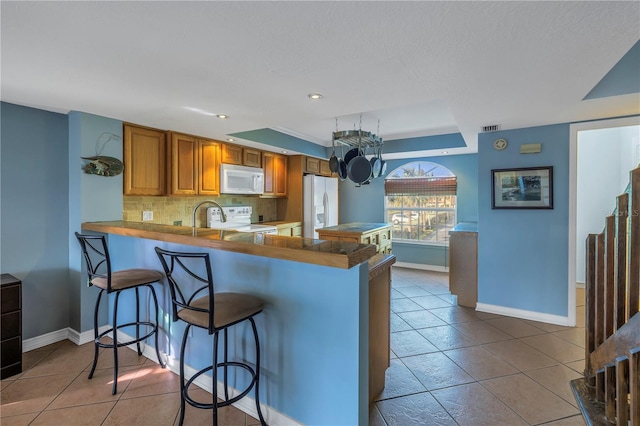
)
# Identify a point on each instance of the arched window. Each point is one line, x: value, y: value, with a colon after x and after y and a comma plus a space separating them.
x: 420, y: 202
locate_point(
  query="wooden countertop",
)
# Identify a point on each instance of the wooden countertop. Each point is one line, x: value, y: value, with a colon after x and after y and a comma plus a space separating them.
x: 356, y: 228
x: 306, y: 250
x: 281, y: 223
x: 465, y: 227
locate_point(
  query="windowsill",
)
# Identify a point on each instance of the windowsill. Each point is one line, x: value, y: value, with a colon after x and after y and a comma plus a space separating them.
x: 419, y: 243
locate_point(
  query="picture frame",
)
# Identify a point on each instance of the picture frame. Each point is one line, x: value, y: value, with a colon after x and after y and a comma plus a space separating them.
x: 522, y: 188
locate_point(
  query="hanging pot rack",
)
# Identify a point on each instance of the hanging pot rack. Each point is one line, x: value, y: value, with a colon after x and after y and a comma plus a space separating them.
x: 355, y: 138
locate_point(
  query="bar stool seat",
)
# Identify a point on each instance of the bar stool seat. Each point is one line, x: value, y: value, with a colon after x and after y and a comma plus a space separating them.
x: 100, y: 274
x: 189, y: 276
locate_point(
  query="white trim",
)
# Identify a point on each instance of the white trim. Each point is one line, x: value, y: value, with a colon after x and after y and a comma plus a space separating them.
x: 246, y: 404
x: 421, y: 266
x: 62, y: 334
x: 580, y: 284
x: 45, y: 339
x: 528, y: 315
x: 573, y: 189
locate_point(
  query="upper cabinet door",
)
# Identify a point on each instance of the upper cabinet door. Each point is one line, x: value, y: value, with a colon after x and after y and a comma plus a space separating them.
x: 209, y: 167
x: 281, y: 175
x: 275, y: 174
x: 144, y: 153
x: 231, y: 154
x: 183, y: 161
x: 251, y: 157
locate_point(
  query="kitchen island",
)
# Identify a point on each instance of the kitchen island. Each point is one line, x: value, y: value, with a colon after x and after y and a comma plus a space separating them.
x: 317, y: 329
x: 378, y: 234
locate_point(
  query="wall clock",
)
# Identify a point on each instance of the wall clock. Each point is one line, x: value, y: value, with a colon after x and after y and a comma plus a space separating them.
x: 500, y: 144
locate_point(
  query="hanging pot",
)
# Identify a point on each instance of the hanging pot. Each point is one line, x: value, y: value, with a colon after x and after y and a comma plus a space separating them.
x: 333, y: 161
x: 359, y: 168
x: 350, y: 155
x: 342, y: 166
x: 375, y: 165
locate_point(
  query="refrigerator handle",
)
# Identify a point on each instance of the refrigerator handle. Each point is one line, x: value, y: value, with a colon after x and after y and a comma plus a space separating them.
x: 325, y: 203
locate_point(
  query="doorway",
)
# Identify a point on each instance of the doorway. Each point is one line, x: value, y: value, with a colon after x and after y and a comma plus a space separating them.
x: 611, y: 146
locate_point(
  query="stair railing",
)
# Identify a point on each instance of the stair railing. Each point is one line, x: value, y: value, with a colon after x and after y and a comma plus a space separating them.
x: 612, y: 345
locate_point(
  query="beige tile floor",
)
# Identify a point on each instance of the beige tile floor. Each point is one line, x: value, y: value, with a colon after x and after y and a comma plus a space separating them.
x: 450, y: 366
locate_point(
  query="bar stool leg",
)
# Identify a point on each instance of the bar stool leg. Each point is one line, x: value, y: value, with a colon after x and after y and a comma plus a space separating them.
x: 257, y: 378
x: 214, y: 377
x: 115, y: 345
x: 226, y: 369
x: 182, y: 388
x: 155, y: 302
x: 96, y: 351
x: 138, y: 322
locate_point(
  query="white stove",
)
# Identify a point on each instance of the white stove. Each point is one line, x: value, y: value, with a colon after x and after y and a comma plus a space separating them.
x: 238, y: 219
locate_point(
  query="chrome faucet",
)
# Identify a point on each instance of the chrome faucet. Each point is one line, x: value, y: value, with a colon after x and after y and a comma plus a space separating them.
x: 223, y: 216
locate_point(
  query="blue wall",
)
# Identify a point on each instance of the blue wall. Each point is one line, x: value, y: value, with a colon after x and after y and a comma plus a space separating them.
x: 91, y: 198
x: 366, y: 204
x: 313, y: 331
x: 523, y: 254
x: 34, y: 214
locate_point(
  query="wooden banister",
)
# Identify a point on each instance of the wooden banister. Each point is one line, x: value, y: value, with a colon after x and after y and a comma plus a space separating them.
x: 610, y: 391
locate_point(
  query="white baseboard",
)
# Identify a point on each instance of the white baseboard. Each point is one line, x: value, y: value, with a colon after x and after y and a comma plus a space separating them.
x: 421, y: 266
x: 56, y: 336
x: 580, y: 284
x: 524, y: 314
x: 45, y: 339
x: 246, y: 404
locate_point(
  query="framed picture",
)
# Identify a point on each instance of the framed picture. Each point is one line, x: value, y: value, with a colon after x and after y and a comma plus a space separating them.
x: 525, y: 188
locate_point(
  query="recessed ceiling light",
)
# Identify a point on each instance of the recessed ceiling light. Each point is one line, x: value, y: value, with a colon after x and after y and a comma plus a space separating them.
x: 445, y: 152
x: 284, y: 151
x: 314, y: 96
x: 222, y: 116
x: 231, y: 140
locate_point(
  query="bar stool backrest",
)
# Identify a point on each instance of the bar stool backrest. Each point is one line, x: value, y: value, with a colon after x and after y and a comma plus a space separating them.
x: 96, y: 256
x: 181, y: 270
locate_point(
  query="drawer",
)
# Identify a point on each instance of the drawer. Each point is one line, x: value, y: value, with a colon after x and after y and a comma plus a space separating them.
x: 10, y: 298
x: 286, y: 232
x: 385, y: 235
x: 296, y: 231
x: 11, y: 325
x: 11, y: 351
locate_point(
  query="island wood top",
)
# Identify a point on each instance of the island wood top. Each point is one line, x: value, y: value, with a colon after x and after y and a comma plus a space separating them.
x: 306, y: 250
x: 355, y: 228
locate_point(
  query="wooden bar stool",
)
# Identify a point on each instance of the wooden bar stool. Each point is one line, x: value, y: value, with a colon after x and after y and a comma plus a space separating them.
x: 96, y: 256
x: 195, y: 303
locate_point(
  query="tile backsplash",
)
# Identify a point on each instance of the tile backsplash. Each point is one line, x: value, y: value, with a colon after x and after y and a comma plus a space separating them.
x: 168, y: 210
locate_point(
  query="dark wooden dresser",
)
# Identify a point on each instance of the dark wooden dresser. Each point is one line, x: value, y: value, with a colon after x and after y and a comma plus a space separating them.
x: 11, y: 326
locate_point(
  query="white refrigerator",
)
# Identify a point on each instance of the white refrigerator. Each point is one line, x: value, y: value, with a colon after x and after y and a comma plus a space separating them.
x: 320, y: 204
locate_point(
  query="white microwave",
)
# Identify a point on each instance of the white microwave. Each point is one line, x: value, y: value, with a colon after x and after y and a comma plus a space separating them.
x: 241, y: 179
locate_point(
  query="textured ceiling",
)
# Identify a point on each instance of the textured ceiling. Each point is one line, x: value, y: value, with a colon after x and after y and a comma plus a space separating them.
x: 420, y: 68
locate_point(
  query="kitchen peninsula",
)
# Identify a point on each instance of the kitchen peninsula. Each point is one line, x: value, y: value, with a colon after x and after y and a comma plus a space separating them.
x: 325, y: 329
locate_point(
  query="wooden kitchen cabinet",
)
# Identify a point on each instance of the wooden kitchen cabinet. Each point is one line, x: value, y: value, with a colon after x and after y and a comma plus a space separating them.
x: 463, y: 263
x: 194, y: 165
x: 11, y: 326
x: 144, y: 157
x: 288, y: 229
x: 275, y: 174
x: 208, y: 167
x: 317, y: 166
x: 378, y: 234
x: 251, y: 157
x: 240, y: 155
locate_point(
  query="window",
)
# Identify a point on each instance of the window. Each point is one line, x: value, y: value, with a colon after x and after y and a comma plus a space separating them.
x: 420, y: 202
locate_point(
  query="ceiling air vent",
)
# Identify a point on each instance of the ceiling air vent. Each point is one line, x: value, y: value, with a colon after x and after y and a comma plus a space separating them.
x: 491, y: 128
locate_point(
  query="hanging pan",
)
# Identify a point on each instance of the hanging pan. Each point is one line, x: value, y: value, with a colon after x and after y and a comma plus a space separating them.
x: 375, y: 165
x: 359, y: 169
x: 342, y: 166
x: 333, y: 161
